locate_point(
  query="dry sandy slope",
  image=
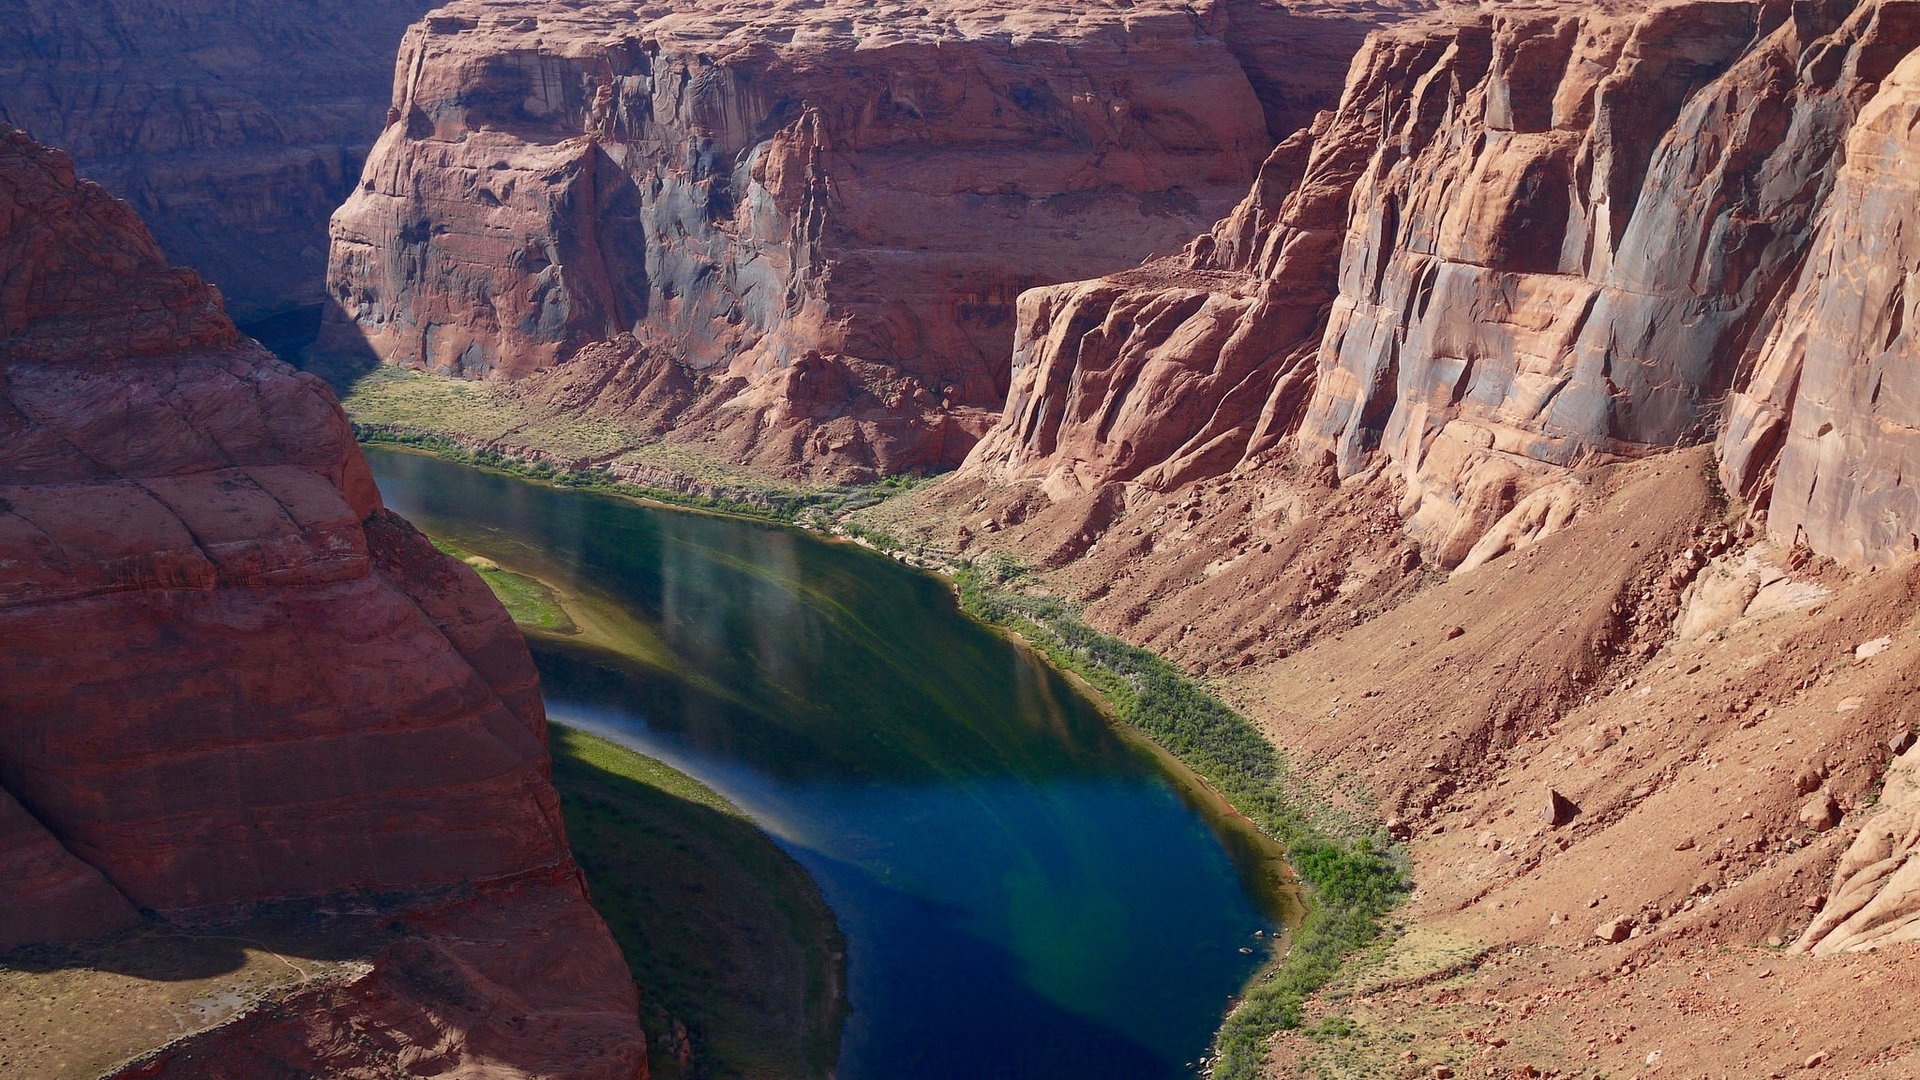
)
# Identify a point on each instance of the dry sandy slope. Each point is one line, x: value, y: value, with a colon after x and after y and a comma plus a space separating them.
x: 1450, y: 705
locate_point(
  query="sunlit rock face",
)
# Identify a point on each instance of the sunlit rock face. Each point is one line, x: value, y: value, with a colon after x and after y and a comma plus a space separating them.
x: 1573, y: 257
x: 1528, y: 240
x: 233, y: 129
x: 228, y: 674
x: 756, y: 183
x: 1824, y: 431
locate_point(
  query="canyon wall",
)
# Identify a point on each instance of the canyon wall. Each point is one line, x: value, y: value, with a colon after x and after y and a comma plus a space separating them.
x: 1525, y: 241
x: 1823, y: 433
x: 1485, y: 457
x: 758, y: 185
x: 234, y: 128
x: 230, y: 676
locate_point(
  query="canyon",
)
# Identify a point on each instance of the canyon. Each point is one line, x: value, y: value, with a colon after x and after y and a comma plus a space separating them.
x: 234, y: 129
x: 1507, y: 407
x: 187, y: 525
x: 797, y: 229
x: 1527, y: 453
x: 1605, y: 227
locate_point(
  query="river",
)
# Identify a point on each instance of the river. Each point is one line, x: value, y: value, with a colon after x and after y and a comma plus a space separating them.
x: 1025, y: 893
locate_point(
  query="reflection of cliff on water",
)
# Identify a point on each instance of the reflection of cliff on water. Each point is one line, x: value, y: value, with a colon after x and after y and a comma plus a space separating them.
x: 1017, y: 882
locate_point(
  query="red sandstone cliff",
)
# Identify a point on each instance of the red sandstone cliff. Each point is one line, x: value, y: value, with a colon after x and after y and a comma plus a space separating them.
x: 759, y: 186
x: 234, y: 129
x: 1528, y: 240
x: 229, y: 675
x: 1489, y: 450
x: 1822, y: 432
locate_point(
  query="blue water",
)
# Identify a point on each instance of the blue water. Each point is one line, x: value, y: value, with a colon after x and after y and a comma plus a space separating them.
x: 1023, y: 892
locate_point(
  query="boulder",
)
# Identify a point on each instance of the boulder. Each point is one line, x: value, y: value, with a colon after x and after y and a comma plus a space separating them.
x: 1556, y: 810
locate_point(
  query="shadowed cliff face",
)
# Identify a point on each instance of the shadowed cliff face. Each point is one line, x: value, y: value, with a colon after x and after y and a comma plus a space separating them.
x: 229, y: 675
x: 755, y: 184
x: 233, y: 128
x: 1570, y: 236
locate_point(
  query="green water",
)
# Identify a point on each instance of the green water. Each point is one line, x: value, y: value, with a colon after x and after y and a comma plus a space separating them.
x: 1024, y: 892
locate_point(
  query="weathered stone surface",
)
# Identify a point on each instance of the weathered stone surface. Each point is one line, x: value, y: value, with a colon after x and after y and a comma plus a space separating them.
x: 1570, y: 230
x: 1556, y: 810
x: 1875, y: 896
x: 1820, y: 813
x: 80, y: 277
x: 1824, y: 435
x: 462, y: 995
x: 1568, y: 257
x: 228, y: 674
x: 866, y: 419
x: 233, y: 129
x: 1177, y: 370
x: 751, y: 183
x: 49, y: 894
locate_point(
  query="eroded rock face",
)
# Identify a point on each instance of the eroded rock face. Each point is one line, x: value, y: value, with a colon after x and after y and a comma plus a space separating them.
x: 50, y: 895
x: 753, y: 183
x: 1824, y: 433
x: 233, y: 129
x: 228, y: 674
x: 1570, y: 231
x: 1570, y: 254
x: 462, y: 994
x: 1875, y: 895
x: 1176, y: 371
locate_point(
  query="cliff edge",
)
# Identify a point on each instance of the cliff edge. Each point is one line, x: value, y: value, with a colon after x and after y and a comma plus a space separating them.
x: 231, y: 677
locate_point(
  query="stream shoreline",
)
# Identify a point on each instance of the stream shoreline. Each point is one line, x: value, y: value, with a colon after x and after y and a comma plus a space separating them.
x: 1281, y: 888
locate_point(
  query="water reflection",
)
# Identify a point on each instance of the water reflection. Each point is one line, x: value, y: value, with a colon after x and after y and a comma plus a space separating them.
x: 1023, y: 892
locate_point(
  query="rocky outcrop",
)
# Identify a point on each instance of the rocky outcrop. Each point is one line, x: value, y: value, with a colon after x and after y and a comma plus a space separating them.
x: 1875, y: 897
x: 1569, y: 257
x: 233, y: 129
x: 1176, y: 371
x: 229, y: 675
x: 1570, y: 232
x: 1823, y: 434
x: 852, y: 417
x: 460, y: 994
x: 1594, y: 256
x: 50, y: 895
x: 754, y: 184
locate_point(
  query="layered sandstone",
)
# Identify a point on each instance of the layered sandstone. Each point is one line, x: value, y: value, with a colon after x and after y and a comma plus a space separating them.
x: 1572, y: 258
x: 233, y: 129
x: 1455, y: 533
x: 1569, y: 232
x: 1875, y: 896
x: 1176, y: 371
x: 1823, y: 434
x: 752, y: 185
x: 1518, y: 553
x: 229, y: 674
x: 460, y: 992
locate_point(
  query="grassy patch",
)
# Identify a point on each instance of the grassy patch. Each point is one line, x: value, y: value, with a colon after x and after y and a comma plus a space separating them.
x: 529, y: 602
x: 1351, y: 881
x: 725, y: 933
x: 476, y: 424
x: 786, y: 506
